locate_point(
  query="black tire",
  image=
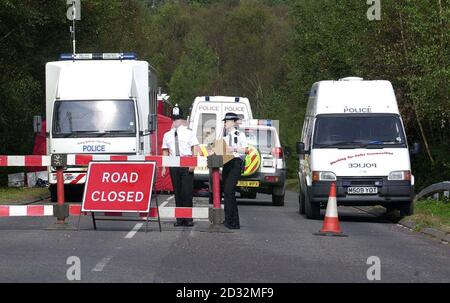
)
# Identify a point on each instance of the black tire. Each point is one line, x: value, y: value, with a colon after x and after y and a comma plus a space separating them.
x: 312, y: 210
x: 301, y: 203
x: 278, y: 200
x: 406, y: 209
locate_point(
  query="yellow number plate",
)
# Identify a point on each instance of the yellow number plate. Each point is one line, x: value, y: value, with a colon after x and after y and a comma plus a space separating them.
x: 248, y: 183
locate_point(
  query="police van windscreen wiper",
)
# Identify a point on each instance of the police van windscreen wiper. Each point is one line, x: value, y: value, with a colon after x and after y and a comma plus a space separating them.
x: 122, y: 131
x: 381, y: 143
x: 343, y: 144
x: 90, y: 132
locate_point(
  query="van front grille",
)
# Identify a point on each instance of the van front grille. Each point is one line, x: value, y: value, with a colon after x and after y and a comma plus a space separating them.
x: 362, y: 182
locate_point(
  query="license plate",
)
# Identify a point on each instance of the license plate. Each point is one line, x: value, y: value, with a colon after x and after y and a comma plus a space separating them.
x: 362, y: 190
x: 248, y: 183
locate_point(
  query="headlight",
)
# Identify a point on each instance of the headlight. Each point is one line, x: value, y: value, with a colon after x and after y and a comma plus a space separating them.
x: 323, y: 176
x: 400, y: 175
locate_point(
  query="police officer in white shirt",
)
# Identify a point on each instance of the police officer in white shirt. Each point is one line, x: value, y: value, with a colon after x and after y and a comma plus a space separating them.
x: 236, y: 144
x: 180, y: 141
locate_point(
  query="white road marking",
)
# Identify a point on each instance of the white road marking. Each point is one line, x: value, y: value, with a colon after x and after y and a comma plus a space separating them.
x: 101, y: 265
x: 135, y: 229
x: 166, y: 201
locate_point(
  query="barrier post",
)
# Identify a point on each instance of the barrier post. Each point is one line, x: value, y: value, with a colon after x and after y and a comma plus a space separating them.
x: 60, y: 192
x: 60, y: 210
x: 216, y: 215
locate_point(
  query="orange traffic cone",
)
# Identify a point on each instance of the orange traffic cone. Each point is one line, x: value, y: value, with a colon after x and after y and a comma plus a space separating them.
x: 331, y: 222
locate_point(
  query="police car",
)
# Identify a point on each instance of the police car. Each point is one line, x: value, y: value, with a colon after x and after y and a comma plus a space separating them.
x: 264, y: 168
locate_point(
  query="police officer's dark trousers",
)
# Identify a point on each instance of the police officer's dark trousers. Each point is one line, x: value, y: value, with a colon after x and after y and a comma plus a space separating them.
x: 230, y: 176
x: 183, y: 185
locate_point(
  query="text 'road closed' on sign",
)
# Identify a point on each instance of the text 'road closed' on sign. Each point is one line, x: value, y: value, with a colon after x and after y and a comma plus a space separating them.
x: 119, y: 187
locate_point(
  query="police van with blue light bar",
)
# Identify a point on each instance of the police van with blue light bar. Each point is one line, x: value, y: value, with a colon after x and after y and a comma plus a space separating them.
x: 205, y: 120
x: 353, y: 135
x: 98, y: 103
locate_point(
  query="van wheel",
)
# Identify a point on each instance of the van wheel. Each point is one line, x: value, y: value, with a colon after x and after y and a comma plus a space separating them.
x: 312, y: 210
x: 278, y: 200
x: 406, y: 209
x: 301, y: 203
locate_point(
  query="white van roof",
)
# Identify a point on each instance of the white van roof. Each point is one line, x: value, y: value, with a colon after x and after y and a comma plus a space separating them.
x: 220, y: 99
x: 353, y: 95
x: 96, y: 79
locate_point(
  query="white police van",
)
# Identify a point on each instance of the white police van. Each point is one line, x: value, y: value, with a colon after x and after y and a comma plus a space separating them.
x: 205, y: 120
x: 353, y: 135
x: 98, y: 104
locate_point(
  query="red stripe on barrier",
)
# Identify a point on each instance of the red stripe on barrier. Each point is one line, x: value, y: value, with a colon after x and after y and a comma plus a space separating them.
x: 188, y: 161
x: 119, y: 158
x: 157, y: 159
x: 183, y: 212
x: 75, y: 210
x: 78, y: 178
x: 83, y: 159
x: 33, y: 160
x: 3, y: 160
x: 35, y: 210
x: 4, y: 211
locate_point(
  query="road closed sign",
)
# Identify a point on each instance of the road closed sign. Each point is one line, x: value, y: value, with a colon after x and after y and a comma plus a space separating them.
x: 119, y: 187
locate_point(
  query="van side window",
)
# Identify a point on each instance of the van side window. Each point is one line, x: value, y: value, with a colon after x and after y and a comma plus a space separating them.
x: 206, y: 131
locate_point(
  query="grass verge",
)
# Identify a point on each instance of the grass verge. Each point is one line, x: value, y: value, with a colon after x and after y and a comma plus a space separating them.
x: 432, y: 213
x: 13, y: 195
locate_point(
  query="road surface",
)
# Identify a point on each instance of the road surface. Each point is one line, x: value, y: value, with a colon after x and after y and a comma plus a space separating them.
x: 275, y: 244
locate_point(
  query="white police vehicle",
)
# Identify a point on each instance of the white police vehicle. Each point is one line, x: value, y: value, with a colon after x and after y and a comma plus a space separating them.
x: 98, y: 104
x: 353, y: 135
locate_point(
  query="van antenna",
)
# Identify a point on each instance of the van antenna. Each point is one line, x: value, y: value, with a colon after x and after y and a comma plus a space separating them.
x: 72, y: 28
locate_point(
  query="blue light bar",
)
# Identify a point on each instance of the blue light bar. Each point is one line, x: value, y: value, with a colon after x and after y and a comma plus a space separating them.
x: 236, y: 99
x: 99, y: 56
x: 207, y: 98
x: 265, y: 122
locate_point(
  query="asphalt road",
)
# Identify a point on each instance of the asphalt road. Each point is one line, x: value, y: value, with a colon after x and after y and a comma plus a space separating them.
x: 274, y: 244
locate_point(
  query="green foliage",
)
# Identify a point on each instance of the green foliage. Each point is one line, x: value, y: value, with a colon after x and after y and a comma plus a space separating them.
x: 195, y: 72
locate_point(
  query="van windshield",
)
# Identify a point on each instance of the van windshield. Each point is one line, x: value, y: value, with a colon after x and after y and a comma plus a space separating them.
x: 358, y: 131
x: 94, y: 118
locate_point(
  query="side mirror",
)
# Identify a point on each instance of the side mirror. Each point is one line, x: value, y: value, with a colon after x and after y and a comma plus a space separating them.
x: 415, y: 150
x: 37, y: 124
x: 301, y: 148
x: 152, y: 120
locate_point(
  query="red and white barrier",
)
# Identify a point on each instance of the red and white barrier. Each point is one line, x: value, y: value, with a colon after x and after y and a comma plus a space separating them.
x: 80, y: 159
x: 26, y: 210
x: 33, y: 160
x: 75, y: 210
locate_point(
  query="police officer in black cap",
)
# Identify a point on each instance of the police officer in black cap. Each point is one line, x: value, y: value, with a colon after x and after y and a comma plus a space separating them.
x: 180, y: 141
x: 236, y: 144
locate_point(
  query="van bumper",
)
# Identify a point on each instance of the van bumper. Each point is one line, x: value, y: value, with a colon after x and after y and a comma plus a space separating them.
x: 389, y: 192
